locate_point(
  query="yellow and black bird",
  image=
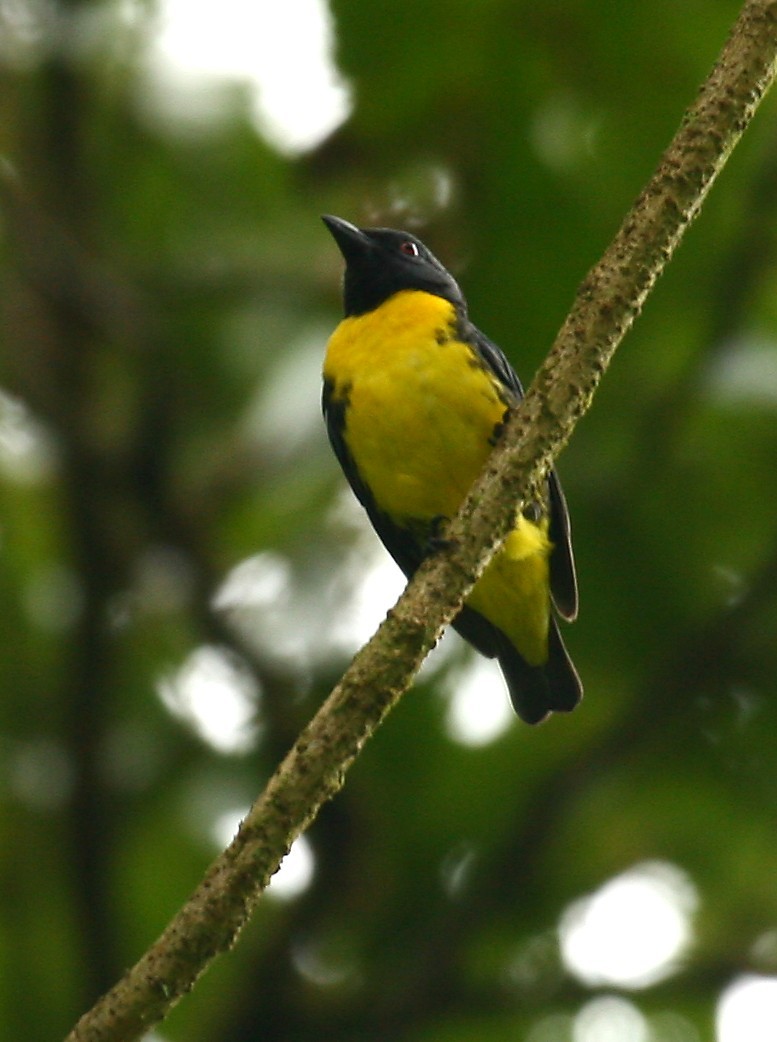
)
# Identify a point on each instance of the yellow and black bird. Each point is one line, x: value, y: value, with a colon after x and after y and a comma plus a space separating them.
x: 414, y: 398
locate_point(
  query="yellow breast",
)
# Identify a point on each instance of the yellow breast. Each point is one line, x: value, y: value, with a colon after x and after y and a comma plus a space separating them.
x: 421, y: 409
x: 419, y: 422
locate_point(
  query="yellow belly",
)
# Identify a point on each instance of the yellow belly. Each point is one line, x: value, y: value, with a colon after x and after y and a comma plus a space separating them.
x: 421, y: 413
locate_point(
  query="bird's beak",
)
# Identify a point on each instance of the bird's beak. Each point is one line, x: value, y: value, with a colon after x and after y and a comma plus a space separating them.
x: 351, y: 240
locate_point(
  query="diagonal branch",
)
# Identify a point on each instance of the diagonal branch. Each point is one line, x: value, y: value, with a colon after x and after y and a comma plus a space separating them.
x: 313, y: 771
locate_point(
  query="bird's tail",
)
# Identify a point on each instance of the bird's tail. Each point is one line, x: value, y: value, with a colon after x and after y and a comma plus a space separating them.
x: 536, y: 691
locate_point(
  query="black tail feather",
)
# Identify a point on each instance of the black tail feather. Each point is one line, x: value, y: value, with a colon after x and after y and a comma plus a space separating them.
x: 536, y: 691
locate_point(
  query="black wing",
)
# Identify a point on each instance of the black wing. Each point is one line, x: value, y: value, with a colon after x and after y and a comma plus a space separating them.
x: 563, y: 581
x: 494, y: 358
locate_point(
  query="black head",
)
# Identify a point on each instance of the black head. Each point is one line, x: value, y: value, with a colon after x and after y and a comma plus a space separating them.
x: 381, y: 261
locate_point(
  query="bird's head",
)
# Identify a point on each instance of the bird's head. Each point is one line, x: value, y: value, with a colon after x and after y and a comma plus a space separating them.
x: 380, y: 262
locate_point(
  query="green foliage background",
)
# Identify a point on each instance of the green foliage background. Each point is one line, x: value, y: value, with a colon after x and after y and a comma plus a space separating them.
x: 155, y: 286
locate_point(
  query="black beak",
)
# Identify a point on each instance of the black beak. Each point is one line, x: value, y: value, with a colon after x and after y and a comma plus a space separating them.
x: 351, y: 240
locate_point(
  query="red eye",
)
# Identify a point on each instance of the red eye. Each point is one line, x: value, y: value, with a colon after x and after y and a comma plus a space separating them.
x: 410, y: 249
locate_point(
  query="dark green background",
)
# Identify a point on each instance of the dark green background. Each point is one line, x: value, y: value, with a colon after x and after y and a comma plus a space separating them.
x: 152, y: 287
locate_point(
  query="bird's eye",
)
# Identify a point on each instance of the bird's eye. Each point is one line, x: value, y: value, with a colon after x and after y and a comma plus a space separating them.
x: 409, y: 248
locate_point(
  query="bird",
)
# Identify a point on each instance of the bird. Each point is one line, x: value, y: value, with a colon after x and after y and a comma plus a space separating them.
x: 414, y: 398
